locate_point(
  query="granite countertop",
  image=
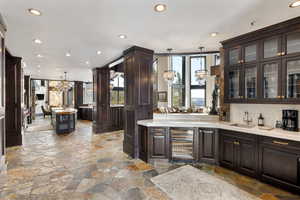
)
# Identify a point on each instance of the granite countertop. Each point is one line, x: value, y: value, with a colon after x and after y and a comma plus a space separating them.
x: 277, y: 133
x: 65, y: 111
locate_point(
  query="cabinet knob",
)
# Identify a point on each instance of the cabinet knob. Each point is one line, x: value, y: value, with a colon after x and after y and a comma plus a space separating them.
x: 282, y: 53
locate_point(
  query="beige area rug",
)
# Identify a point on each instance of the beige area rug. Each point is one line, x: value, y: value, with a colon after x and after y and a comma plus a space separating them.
x: 189, y: 183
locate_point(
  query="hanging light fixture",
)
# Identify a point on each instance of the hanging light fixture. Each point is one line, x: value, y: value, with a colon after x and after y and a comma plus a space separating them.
x: 64, y: 86
x: 169, y: 75
x: 201, y: 74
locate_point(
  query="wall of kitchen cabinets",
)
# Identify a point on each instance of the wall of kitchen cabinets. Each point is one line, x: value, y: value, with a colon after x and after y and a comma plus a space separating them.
x: 264, y: 66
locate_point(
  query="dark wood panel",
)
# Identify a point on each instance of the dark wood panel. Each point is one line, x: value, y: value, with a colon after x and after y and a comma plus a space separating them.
x: 13, y: 104
x: 247, y: 157
x: 78, y: 94
x: 143, y: 143
x: 101, y: 106
x: 227, y: 151
x: 138, y: 94
x: 208, y: 145
x: 2, y: 93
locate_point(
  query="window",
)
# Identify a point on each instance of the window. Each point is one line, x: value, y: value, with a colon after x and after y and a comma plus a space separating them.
x: 217, y: 59
x: 178, y: 86
x: 117, y: 90
x: 198, y: 90
x: 87, y: 93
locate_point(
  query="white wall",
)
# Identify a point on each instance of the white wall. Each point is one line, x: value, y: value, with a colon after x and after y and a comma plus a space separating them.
x: 271, y: 112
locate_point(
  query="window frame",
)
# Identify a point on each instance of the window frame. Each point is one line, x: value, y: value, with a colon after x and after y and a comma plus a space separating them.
x: 183, y: 80
x: 198, y: 86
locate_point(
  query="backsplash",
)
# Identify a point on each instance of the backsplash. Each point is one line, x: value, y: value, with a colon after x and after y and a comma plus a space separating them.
x: 271, y: 112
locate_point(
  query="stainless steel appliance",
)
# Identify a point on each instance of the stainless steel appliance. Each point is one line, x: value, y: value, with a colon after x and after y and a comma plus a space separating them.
x: 290, y: 120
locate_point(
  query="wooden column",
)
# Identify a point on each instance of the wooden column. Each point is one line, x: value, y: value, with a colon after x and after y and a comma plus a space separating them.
x: 101, y: 105
x: 13, y: 98
x: 138, y: 94
x: 78, y: 93
x: 2, y: 94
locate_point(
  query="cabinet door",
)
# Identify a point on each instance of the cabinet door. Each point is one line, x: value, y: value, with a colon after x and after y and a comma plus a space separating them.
x: 250, y: 83
x: 234, y: 56
x: 247, y: 157
x: 291, y: 79
x: 271, y: 48
x: 291, y: 44
x: 208, y: 143
x: 158, y: 143
x: 250, y: 53
x: 272, y: 81
x: 234, y: 85
x: 227, y: 151
x: 278, y: 166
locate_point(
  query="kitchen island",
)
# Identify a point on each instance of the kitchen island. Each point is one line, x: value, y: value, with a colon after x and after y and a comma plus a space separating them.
x: 272, y: 155
x: 64, y: 120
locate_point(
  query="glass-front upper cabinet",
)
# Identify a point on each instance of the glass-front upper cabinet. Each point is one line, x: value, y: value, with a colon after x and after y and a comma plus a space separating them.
x: 271, y: 80
x: 234, y: 78
x: 234, y: 56
x: 250, y: 53
x: 292, y: 44
x: 271, y: 47
x: 292, y: 78
x: 250, y: 82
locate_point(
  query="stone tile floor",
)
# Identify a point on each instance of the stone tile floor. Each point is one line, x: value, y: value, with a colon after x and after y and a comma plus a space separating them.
x: 86, y: 166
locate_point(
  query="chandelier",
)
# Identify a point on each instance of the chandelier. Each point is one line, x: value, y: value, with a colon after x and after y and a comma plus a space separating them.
x: 201, y: 76
x: 169, y: 75
x: 63, y: 86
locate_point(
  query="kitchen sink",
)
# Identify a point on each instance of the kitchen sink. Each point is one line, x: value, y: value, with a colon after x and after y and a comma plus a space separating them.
x: 242, y: 125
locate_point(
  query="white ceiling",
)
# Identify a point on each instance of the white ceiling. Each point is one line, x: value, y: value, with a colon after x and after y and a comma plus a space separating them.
x: 85, y: 26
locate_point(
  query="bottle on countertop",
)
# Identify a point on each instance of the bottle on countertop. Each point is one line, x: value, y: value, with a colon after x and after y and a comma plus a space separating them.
x: 260, y: 120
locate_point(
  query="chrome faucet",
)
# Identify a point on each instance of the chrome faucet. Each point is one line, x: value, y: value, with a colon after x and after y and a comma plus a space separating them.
x: 246, y: 118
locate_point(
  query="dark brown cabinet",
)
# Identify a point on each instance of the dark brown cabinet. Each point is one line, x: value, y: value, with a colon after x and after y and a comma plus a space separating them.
x: 208, y: 145
x: 263, y: 66
x: 85, y: 113
x: 279, y: 162
x: 159, y: 143
x: 238, y: 151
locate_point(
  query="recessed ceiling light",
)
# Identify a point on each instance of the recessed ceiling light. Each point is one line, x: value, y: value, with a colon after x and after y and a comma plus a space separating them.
x: 68, y: 54
x: 39, y: 66
x: 214, y: 34
x: 34, y: 12
x: 37, y: 41
x: 160, y: 7
x: 294, y: 4
x: 39, y: 71
x: 39, y: 56
x: 99, y: 52
x: 122, y: 36
x: 87, y: 62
